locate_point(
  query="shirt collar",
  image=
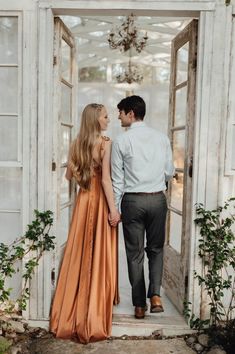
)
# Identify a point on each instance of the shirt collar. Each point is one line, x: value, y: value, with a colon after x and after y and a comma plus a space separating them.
x: 137, y: 124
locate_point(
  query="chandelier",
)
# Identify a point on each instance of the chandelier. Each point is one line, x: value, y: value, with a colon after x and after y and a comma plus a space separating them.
x: 126, y: 37
x: 130, y: 75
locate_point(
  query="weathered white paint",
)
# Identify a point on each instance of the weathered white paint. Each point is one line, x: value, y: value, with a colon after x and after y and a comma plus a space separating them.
x: 214, y: 79
x: 45, y: 129
x: 211, y: 114
x: 166, y: 6
x: 30, y: 118
x: 15, y: 5
x: 176, y: 260
x: 230, y: 135
x: 61, y: 32
x: 203, y: 65
x: 12, y: 212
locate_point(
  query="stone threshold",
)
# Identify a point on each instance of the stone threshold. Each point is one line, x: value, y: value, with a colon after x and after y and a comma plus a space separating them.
x: 151, y: 324
x: 157, y: 325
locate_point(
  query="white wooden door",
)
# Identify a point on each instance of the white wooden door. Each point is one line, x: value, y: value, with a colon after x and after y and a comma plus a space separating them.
x: 64, y: 115
x: 181, y: 123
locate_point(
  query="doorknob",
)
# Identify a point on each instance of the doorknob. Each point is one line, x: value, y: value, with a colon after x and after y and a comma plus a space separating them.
x: 190, y: 169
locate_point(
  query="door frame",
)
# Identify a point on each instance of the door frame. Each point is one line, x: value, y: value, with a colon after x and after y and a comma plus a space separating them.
x: 209, y: 15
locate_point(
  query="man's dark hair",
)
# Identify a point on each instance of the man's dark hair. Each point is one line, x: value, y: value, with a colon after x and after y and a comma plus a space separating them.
x: 133, y: 103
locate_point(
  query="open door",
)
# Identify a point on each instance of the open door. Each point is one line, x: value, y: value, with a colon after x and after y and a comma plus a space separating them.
x: 181, y: 123
x: 64, y: 115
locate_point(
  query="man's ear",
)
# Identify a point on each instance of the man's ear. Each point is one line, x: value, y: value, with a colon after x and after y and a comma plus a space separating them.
x: 132, y: 115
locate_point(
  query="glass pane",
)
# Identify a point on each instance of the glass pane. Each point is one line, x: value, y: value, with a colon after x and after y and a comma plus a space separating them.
x: 8, y: 90
x: 66, y: 61
x: 182, y: 64
x: 177, y: 191
x: 65, y: 143
x: 10, y: 188
x: 179, y: 148
x: 10, y: 227
x: 180, y: 106
x: 8, y: 138
x: 63, y: 226
x: 175, y: 231
x: 66, y: 103
x: 64, y: 187
x: 8, y: 40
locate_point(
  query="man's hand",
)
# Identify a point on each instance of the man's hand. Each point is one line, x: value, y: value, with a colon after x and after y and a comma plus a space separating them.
x: 114, y: 218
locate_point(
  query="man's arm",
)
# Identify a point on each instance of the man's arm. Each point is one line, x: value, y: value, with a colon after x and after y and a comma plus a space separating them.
x: 117, y: 173
x: 169, y: 166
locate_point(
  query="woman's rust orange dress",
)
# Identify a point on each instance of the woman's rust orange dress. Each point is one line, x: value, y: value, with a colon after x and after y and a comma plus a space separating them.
x: 87, y: 284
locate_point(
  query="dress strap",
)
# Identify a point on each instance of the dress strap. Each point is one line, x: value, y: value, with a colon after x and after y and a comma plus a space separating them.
x: 103, y: 140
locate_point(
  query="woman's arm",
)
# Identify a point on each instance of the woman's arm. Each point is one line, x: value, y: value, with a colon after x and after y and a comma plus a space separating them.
x: 107, y: 183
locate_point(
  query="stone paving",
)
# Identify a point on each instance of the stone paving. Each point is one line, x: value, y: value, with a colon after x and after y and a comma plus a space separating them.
x: 17, y: 337
x: 117, y: 346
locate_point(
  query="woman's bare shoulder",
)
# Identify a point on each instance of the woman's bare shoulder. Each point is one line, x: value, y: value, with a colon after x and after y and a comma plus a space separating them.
x: 105, y: 138
x: 105, y: 144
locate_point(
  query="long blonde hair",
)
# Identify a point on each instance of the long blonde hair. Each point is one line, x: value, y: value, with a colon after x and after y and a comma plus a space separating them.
x: 80, y: 159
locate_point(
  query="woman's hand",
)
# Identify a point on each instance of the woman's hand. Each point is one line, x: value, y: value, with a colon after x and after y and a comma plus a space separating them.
x: 114, y: 218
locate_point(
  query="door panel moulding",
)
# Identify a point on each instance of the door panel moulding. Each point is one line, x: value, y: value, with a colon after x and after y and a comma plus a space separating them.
x: 40, y: 304
x: 16, y: 5
x: 198, y: 190
x: 145, y: 8
x: 121, y: 12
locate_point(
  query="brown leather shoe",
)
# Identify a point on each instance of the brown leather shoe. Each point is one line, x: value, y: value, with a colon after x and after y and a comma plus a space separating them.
x: 140, y: 311
x: 156, y: 304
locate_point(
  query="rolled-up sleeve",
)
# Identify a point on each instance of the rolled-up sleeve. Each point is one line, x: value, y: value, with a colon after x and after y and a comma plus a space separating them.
x: 169, y: 166
x: 117, y: 172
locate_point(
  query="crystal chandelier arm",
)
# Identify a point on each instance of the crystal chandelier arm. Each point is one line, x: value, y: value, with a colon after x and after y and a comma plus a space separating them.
x: 127, y: 37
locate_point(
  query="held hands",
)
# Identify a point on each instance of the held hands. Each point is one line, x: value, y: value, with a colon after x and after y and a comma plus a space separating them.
x: 114, y: 218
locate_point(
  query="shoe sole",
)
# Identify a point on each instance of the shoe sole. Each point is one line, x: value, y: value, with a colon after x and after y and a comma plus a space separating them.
x: 141, y: 317
x: 157, y: 309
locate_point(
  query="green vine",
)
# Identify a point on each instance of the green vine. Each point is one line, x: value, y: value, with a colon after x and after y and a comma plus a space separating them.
x: 193, y: 321
x: 33, y: 244
x: 217, y: 252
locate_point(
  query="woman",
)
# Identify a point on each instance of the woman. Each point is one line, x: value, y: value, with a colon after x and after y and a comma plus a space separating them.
x: 87, y: 283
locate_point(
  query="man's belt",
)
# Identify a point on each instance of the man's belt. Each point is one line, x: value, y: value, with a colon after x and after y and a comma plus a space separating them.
x: 144, y: 193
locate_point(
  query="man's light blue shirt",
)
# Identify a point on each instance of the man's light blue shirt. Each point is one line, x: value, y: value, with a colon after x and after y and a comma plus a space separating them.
x: 141, y: 161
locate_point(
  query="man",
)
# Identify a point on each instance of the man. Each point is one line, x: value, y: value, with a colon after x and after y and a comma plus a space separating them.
x: 141, y: 165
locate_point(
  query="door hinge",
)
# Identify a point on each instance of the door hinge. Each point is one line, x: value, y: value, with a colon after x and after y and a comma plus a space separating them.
x: 53, y: 166
x: 194, y: 66
x: 53, y: 277
x: 54, y: 60
x: 190, y: 169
